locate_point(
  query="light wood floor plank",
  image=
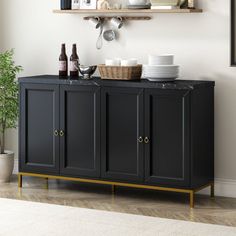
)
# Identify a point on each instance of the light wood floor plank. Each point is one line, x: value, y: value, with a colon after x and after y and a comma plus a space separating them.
x: 220, y: 210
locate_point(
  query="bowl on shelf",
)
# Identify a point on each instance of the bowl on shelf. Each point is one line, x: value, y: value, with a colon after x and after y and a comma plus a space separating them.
x: 160, y: 72
x: 165, y: 59
x: 137, y: 2
x: 164, y: 2
x: 87, y: 71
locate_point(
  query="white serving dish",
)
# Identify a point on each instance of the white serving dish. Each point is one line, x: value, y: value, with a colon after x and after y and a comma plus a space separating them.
x: 112, y: 62
x: 161, y: 79
x: 160, y: 68
x: 160, y: 76
x: 164, y: 2
x: 161, y: 71
x: 137, y: 2
x: 129, y: 62
x: 166, y: 59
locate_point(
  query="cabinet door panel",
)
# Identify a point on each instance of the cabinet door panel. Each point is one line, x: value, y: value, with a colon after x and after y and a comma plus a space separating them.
x: 167, y: 126
x: 80, y: 120
x: 122, y: 124
x: 39, y: 110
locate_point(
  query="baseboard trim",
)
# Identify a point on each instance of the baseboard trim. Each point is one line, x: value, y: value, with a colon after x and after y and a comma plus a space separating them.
x: 223, y: 188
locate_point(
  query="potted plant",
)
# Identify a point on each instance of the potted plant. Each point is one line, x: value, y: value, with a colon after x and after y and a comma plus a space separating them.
x: 8, y: 110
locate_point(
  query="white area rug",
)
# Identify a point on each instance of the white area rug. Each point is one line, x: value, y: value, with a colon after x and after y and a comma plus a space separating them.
x: 34, y: 219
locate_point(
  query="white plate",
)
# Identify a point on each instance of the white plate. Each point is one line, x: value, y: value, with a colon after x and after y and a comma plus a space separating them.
x: 161, y: 72
x: 161, y: 79
x: 154, y: 67
x: 161, y: 65
x: 160, y: 69
x: 165, y: 59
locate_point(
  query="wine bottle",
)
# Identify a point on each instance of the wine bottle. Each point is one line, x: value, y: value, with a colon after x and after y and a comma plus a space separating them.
x: 191, y: 4
x: 65, y: 4
x: 74, y: 62
x: 75, y: 4
x: 63, y: 62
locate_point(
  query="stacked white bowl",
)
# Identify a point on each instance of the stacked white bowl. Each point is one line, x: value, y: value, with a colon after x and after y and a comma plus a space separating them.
x: 161, y: 68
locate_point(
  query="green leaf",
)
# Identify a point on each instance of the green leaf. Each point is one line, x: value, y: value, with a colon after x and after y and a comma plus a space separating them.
x: 8, y: 94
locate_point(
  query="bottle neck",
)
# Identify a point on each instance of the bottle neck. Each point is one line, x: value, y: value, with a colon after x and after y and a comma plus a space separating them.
x: 63, y: 49
x: 74, y: 50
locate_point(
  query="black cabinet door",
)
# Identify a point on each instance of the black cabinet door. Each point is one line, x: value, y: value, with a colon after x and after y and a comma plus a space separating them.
x: 167, y: 157
x: 80, y: 122
x: 39, y: 110
x: 122, y: 124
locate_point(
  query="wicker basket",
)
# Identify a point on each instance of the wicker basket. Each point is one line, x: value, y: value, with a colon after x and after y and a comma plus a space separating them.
x: 120, y: 72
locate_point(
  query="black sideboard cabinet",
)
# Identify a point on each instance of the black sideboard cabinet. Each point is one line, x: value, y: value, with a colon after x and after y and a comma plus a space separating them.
x: 137, y: 134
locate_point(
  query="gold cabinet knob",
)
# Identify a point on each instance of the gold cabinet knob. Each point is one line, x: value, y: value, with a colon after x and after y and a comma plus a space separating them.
x: 62, y: 133
x: 56, y: 133
x: 140, y: 139
x: 146, y: 140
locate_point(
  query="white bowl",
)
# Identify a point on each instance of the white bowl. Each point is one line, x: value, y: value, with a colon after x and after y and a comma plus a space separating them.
x: 112, y: 62
x: 161, y: 68
x: 129, y: 62
x: 133, y: 61
x: 164, y: 2
x: 162, y: 79
x: 161, y: 59
x: 117, y: 61
x: 160, y: 71
x: 137, y: 2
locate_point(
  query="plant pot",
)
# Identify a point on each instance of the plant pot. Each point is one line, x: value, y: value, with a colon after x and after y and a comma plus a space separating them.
x: 6, y: 166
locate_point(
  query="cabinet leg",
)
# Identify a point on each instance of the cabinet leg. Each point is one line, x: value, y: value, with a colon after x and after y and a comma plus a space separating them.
x: 212, y: 190
x: 191, y: 195
x: 19, y: 181
x: 46, y: 183
x: 113, y: 189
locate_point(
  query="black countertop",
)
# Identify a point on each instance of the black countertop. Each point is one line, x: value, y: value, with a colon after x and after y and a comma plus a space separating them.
x: 97, y: 81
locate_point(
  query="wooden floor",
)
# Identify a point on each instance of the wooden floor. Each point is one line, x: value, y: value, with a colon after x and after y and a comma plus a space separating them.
x: 220, y: 210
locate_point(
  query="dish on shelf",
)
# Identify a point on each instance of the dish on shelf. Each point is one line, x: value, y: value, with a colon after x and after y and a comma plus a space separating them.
x: 145, y: 6
x: 160, y: 72
x: 161, y: 68
x: 87, y: 71
x: 161, y: 80
x: 137, y: 2
x: 165, y: 59
x: 164, y: 2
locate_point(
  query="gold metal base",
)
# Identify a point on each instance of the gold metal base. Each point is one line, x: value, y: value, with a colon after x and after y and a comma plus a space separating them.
x: 191, y: 192
x: 113, y: 189
x: 20, y: 180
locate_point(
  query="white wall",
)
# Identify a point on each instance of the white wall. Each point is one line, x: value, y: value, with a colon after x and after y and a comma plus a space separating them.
x: 199, y: 41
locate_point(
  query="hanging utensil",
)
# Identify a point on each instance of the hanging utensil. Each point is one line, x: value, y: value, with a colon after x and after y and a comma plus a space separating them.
x: 99, y: 41
x: 109, y: 35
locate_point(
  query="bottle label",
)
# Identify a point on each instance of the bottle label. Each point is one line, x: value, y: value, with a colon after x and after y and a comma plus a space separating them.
x: 191, y: 3
x: 74, y: 66
x: 62, y: 65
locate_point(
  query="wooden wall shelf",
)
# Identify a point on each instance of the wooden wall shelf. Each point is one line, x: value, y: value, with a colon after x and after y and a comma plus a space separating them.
x: 127, y: 11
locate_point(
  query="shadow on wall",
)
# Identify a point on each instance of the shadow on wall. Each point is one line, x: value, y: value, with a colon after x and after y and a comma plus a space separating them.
x: 225, y: 125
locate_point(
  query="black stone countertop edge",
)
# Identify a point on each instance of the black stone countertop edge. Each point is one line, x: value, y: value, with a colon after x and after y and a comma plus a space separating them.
x: 97, y: 81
